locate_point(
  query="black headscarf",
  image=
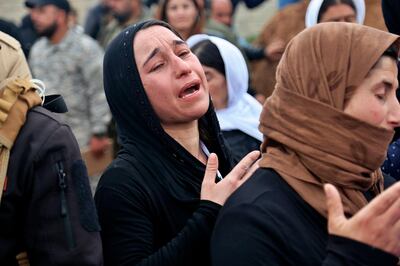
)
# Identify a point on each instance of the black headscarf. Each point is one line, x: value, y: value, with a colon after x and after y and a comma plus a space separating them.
x: 151, y: 151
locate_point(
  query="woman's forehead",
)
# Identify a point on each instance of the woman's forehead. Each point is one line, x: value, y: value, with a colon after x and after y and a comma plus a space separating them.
x: 179, y: 2
x: 155, y: 37
x: 152, y: 36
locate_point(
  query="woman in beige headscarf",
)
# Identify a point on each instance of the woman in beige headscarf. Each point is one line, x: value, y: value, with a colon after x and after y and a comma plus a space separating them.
x: 329, y: 121
x: 284, y: 25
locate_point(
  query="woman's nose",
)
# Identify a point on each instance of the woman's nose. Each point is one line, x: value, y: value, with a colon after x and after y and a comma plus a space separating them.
x: 181, y: 67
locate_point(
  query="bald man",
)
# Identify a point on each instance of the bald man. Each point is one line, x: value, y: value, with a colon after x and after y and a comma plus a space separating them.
x: 221, y: 11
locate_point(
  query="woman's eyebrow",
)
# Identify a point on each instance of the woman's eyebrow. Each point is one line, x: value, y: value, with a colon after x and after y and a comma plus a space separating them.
x: 152, y: 54
x: 388, y: 83
x: 179, y: 42
x: 157, y: 50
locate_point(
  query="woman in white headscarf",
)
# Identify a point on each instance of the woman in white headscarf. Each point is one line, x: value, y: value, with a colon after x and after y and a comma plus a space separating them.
x: 227, y: 75
x: 335, y: 11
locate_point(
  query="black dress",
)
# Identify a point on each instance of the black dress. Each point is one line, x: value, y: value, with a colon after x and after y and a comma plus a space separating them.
x: 144, y: 225
x: 265, y: 222
x: 148, y: 200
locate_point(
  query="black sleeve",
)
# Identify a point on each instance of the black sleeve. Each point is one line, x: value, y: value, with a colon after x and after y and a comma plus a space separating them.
x: 127, y: 230
x: 344, y: 251
x: 254, y: 239
x: 62, y: 223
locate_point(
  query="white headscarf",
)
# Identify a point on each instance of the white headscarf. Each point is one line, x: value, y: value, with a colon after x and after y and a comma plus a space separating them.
x: 242, y: 111
x: 315, y: 5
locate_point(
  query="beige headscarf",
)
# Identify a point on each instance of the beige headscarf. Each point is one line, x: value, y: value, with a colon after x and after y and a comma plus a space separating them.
x: 309, y: 140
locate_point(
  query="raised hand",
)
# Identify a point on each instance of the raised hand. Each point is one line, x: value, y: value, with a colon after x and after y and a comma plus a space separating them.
x: 219, y: 192
x: 377, y: 224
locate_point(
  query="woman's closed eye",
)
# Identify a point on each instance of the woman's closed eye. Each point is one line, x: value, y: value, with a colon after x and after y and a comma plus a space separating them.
x: 173, y: 8
x: 383, y: 91
x: 381, y: 96
x: 184, y: 53
x: 157, y: 66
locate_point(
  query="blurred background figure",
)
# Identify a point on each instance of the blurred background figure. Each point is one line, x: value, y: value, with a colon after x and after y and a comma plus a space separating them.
x: 220, y: 24
x: 73, y: 20
x: 333, y: 10
x: 222, y: 11
x: 98, y: 15
x: 228, y: 79
x: 11, y: 29
x: 391, y: 13
x: 248, y: 3
x: 28, y: 33
x: 291, y: 20
x: 124, y: 13
x: 70, y: 63
x: 283, y: 3
x: 185, y: 16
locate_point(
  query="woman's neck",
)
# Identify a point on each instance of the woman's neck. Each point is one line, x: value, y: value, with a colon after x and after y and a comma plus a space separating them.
x: 185, y: 34
x: 188, y: 136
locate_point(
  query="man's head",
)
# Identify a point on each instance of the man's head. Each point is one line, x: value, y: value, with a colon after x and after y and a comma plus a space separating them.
x: 48, y: 15
x: 124, y: 10
x: 221, y: 11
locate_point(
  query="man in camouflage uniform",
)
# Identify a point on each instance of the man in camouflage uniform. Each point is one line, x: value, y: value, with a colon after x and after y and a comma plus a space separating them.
x: 70, y: 63
x: 125, y: 13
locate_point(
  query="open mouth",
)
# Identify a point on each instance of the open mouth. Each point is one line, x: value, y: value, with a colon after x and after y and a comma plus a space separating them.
x: 189, y: 90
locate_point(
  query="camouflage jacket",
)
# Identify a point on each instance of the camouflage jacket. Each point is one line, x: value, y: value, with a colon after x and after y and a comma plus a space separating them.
x: 110, y: 29
x: 73, y: 68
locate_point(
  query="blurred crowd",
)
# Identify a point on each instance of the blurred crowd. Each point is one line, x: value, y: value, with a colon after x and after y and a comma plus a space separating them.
x: 168, y: 102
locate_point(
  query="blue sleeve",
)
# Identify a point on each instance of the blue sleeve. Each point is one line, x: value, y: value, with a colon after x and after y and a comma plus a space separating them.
x: 391, y: 166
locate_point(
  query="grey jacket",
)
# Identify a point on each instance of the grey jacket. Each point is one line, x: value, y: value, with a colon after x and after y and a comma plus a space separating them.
x: 73, y: 68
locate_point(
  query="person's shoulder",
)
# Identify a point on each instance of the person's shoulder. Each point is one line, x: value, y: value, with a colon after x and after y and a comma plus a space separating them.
x: 9, y: 41
x: 37, y: 47
x: 267, y: 193
x: 268, y: 200
x: 122, y: 173
x: 85, y: 41
x: 43, y: 133
x: 124, y: 179
x: 50, y: 117
x: 40, y: 124
x: 266, y: 189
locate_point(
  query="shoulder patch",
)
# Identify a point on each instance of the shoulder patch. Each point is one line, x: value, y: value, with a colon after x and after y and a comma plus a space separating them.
x: 10, y: 41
